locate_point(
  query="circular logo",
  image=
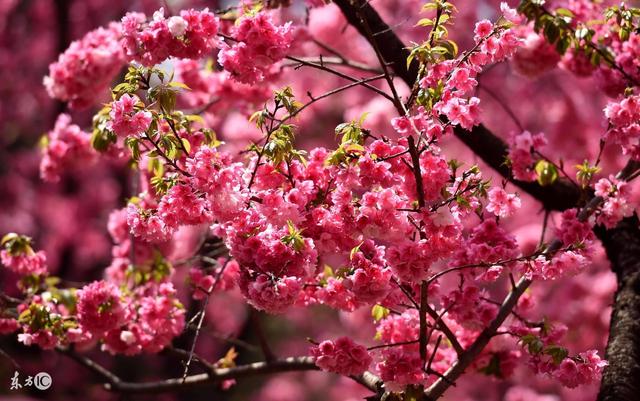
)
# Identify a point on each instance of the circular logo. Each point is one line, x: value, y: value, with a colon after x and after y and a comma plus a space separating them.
x: 42, y: 381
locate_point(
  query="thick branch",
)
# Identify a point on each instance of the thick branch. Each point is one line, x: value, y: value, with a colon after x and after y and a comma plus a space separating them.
x: 218, y: 375
x: 215, y: 375
x: 392, y: 50
x: 621, y: 379
x: 489, y: 147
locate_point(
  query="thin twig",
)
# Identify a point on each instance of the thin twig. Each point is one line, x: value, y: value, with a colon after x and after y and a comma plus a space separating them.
x: 201, y: 320
x: 262, y: 339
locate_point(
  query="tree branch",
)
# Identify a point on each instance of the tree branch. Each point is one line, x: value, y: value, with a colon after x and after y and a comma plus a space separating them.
x: 215, y: 375
x: 620, y: 380
x: 253, y: 369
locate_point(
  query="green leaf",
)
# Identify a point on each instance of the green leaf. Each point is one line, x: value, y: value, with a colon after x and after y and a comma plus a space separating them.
x: 294, y: 239
x: 430, y: 6
x: 9, y: 237
x: 551, y: 32
x: 355, y: 250
x: 100, y: 140
x: 176, y: 84
x: 564, y: 12
x: 194, y: 118
x: 186, y: 144
x: 493, y: 367
x: 425, y: 22
x: 379, y: 312
x: 533, y: 343
x: 547, y: 173
x: 557, y: 353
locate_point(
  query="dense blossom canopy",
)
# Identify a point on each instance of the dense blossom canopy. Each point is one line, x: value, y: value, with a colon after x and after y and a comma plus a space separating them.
x: 435, y: 264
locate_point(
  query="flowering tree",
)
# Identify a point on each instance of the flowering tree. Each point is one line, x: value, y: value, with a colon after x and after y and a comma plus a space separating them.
x: 211, y: 113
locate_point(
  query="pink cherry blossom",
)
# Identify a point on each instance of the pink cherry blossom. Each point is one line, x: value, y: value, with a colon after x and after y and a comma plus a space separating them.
x: 501, y: 203
x: 342, y: 356
x: 125, y: 120
x: 100, y: 308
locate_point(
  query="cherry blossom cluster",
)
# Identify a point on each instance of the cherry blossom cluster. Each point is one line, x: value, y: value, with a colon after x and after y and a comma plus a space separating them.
x: 90, y: 64
x: 190, y: 35
x: 399, y: 363
x: 134, y: 309
x: 535, y: 56
x: 548, y: 358
x: 617, y: 201
x: 18, y: 256
x: 613, y: 71
x: 501, y: 203
x: 65, y: 147
x: 577, y: 237
x: 493, y: 44
x: 522, y: 154
x: 342, y: 356
x: 87, y: 67
x: 624, y: 129
x: 222, y: 278
x: 258, y: 44
x: 125, y: 120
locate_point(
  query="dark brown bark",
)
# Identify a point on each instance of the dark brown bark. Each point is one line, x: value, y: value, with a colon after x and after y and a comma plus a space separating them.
x: 488, y: 146
x: 621, y: 379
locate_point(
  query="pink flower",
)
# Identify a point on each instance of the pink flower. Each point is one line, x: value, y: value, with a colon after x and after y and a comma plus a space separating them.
x: 461, y: 79
x: 370, y: 281
x: 147, y: 225
x: 25, y: 263
x: 177, y: 26
x: 467, y: 307
x: 460, y: 111
x: 117, y: 226
x: 510, y: 14
x: 501, y: 203
x: 617, y: 201
x: 181, y: 206
x: 604, y: 187
x: 191, y: 35
x: 483, y: 28
x: 342, y: 356
x: 100, y: 308
x: 560, y: 265
x: 585, y: 369
x: 202, y: 283
x: 573, y: 231
x: 625, y: 131
x: 614, y: 210
x: 272, y: 295
x: 535, y: 57
x: 487, y: 243
x: 67, y: 147
x: 521, y: 154
x: 125, y: 120
x: 8, y: 325
x: 86, y: 68
x: 402, y: 125
x: 260, y: 43
x: 491, y: 274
